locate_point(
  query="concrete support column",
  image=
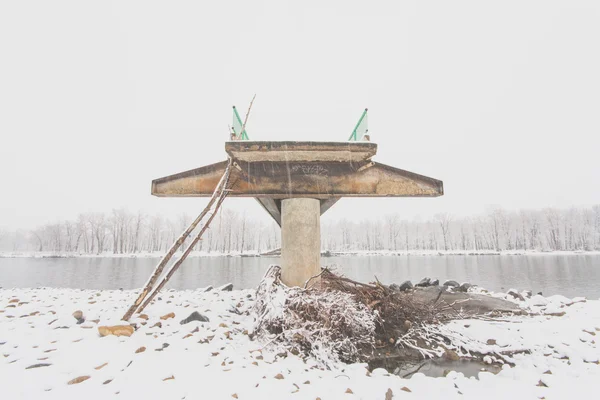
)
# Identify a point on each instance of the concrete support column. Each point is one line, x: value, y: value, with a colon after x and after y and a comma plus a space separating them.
x: 300, y: 240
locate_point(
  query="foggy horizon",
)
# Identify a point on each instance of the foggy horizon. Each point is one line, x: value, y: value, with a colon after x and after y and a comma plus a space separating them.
x: 99, y: 99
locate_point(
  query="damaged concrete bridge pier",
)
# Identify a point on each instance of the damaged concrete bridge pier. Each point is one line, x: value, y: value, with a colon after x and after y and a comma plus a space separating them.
x: 296, y: 182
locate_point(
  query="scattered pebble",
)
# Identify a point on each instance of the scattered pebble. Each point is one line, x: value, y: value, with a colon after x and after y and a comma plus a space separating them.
x: 79, y: 379
x: 116, y: 330
x: 168, y: 316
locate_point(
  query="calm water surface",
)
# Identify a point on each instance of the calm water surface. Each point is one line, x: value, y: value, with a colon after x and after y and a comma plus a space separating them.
x: 569, y: 275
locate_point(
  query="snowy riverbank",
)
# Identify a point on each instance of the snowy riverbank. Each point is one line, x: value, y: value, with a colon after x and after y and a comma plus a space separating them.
x: 43, y: 348
x: 49, y: 254
x: 457, y: 253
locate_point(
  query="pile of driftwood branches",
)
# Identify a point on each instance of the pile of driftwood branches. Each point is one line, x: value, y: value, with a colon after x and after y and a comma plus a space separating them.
x: 397, y: 311
x: 329, y: 325
x: 340, y: 319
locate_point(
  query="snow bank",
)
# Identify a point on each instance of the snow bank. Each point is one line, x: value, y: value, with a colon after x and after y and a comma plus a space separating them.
x: 459, y: 253
x: 159, y: 254
x: 42, y: 348
x: 255, y: 253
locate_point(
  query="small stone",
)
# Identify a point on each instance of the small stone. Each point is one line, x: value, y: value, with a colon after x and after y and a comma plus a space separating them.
x: 424, y: 282
x: 78, y: 315
x: 169, y: 378
x: 406, y: 285
x: 235, y: 396
x: 404, y: 388
x: 106, y: 382
x: 395, y: 287
x: 464, y: 287
x: 38, y: 365
x: 158, y: 324
x: 168, y: 316
x: 307, y: 383
x: 140, y: 350
x: 116, y: 330
x: 226, y: 288
x: 406, y: 325
x: 143, y: 316
x: 451, y: 283
x: 541, y: 384
x: 222, y: 325
x: 435, y: 282
x: 279, y: 376
x: 515, y: 294
x: 349, y: 391
x: 79, y: 379
x: 451, y: 355
x: 389, y: 394
x: 548, y: 372
x: 195, y: 316
x: 491, y: 342
x: 13, y: 301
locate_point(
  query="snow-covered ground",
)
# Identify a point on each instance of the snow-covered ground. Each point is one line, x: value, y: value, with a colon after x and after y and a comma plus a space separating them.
x: 42, y: 348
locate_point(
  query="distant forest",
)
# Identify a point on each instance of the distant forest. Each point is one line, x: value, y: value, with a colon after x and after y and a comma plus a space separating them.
x: 124, y: 232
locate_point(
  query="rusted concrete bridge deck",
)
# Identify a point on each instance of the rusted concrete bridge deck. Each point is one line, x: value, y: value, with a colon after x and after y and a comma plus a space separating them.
x: 272, y: 171
x: 296, y: 182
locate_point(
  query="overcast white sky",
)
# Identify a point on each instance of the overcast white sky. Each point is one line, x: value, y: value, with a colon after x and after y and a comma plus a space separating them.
x: 500, y: 99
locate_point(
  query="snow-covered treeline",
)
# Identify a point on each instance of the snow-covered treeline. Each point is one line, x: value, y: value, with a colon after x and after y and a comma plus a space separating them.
x: 124, y: 232
x: 497, y: 230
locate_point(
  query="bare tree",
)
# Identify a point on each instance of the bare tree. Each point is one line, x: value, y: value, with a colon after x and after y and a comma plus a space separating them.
x: 443, y: 220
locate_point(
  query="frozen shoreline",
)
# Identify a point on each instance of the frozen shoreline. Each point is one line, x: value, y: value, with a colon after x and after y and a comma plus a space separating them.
x: 459, y: 253
x: 357, y: 253
x: 216, y: 359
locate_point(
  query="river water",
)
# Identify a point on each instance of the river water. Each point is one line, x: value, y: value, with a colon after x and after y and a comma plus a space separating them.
x: 569, y: 275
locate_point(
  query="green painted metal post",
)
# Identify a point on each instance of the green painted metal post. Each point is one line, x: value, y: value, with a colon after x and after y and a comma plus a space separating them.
x: 236, y: 116
x: 354, y: 135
